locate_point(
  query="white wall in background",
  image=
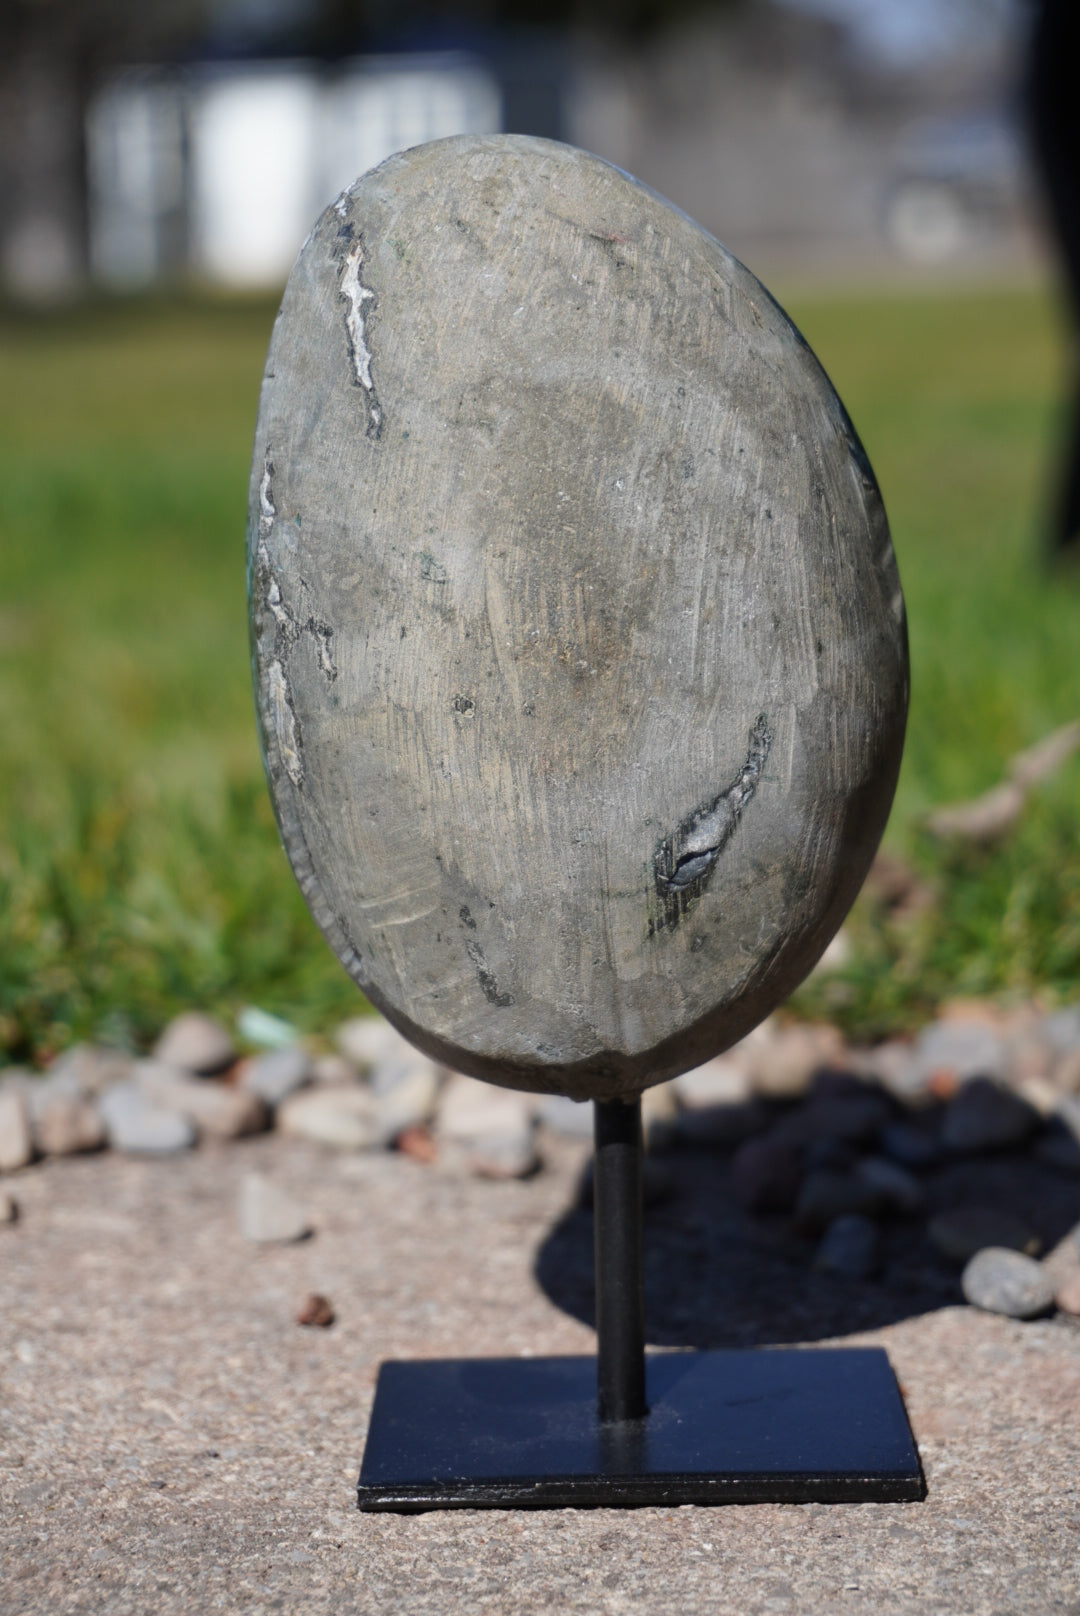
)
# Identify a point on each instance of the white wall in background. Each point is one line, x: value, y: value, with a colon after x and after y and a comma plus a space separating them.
x: 224, y: 170
x: 254, y: 154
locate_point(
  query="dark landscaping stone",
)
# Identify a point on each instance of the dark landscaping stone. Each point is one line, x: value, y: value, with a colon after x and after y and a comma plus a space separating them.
x: 826, y: 1196
x: 985, y: 1116
x: 911, y: 1144
x: 900, y: 1190
x: 765, y: 1175
x: 851, y: 1248
x: 960, y: 1233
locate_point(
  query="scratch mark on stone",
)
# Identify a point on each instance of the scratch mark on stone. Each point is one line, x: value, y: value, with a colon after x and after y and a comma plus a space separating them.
x: 323, y: 635
x: 356, y: 294
x: 267, y: 508
x: 488, y: 983
x: 286, y: 725
x: 685, y: 860
x: 341, y: 206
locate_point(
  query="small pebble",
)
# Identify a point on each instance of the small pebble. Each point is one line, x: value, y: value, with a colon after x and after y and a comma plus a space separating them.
x: 1067, y: 1295
x: 1058, y: 1148
x: 985, y: 1116
x: 827, y: 1196
x: 217, y: 1109
x: 898, y: 1188
x: 765, y: 1175
x: 196, y: 1043
x: 493, y: 1126
x: 574, y: 1118
x: 341, y: 1117
x: 910, y: 1144
x: 1003, y: 1281
x: 266, y: 1031
x: 722, y: 1126
x: 316, y: 1311
x: 89, y: 1069
x: 267, y: 1214
x: 965, y: 1230
x: 418, y: 1143
x: 9, y: 1207
x: 850, y: 1248
x: 720, y: 1082
x: 276, y: 1075
x: 962, y: 1049
x: 68, y: 1127
x: 136, y: 1125
x: 855, y: 1118
x: 784, y: 1064
x: 369, y: 1041
x: 408, y: 1102
x: 16, y: 1141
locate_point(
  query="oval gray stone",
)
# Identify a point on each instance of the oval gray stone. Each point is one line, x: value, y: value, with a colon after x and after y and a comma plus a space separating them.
x: 578, y: 638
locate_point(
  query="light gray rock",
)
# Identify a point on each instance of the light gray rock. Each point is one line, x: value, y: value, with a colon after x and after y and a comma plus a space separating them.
x: 985, y: 1116
x: 895, y: 1066
x: 493, y: 1127
x: 784, y: 1064
x: 410, y: 1101
x: 900, y: 1190
x: 344, y: 1117
x: 276, y: 1075
x: 135, y: 1124
x: 962, y: 1049
x: 268, y: 1214
x: 368, y: 1042
x: 574, y: 1118
x: 964, y: 1230
x: 1003, y: 1281
x: 1062, y: 1030
x: 90, y: 1069
x: 850, y: 1248
x: 67, y: 1126
x: 534, y: 480
x: 216, y: 1109
x: 196, y: 1043
x: 723, y: 1081
x: 16, y: 1140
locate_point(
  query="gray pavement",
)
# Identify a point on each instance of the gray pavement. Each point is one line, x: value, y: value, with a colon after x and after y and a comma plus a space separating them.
x: 171, y: 1440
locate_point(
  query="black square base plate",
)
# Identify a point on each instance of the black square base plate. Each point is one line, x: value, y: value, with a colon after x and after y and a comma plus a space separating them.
x: 774, y: 1425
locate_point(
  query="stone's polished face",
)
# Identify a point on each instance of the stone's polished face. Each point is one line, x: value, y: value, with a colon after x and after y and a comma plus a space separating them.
x: 578, y: 637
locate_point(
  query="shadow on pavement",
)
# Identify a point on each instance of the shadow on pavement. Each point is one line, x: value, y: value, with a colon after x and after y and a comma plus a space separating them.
x: 718, y: 1276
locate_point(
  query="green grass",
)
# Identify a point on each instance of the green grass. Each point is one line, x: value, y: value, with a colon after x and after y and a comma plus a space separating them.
x: 139, y: 866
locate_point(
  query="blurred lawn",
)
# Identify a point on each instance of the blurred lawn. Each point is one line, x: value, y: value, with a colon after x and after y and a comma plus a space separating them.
x: 139, y: 865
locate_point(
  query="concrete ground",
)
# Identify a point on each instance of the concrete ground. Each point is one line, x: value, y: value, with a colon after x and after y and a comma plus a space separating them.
x: 171, y: 1440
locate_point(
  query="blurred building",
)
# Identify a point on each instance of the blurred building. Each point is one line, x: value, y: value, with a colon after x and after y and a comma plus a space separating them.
x: 845, y: 134
x: 222, y: 170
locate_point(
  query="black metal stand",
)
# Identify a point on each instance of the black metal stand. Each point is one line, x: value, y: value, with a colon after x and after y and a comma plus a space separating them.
x: 771, y: 1425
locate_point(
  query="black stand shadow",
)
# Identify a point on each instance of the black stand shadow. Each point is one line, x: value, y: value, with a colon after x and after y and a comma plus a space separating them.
x: 717, y: 1276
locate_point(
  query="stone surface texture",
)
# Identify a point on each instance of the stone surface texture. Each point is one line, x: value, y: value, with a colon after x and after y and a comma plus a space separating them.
x: 173, y: 1441
x: 580, y: 646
